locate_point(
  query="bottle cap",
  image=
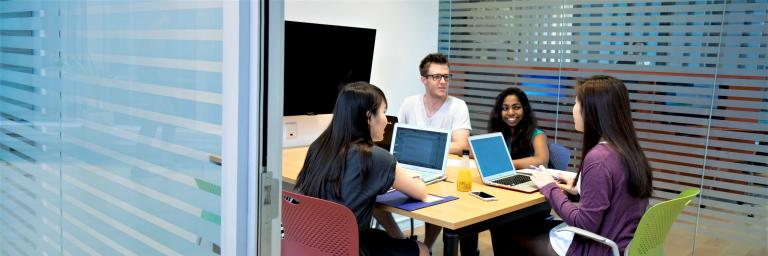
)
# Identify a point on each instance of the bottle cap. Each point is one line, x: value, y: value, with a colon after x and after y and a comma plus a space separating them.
x: 465, y: 152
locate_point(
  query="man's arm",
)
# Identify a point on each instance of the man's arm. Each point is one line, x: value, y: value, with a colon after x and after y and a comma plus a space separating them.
x: 460, y: 128
x: 459, y: 141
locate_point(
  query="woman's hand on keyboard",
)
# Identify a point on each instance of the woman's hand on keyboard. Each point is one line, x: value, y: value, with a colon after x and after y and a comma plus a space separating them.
x: 542, y: 178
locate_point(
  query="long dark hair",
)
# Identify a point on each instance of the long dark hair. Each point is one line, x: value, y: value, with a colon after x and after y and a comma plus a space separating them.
x: 607, y: 116
x: 325, y: 164
x: 520, y: 144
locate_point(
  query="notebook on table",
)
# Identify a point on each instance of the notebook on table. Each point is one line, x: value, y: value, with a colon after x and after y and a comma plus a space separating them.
x: 421, y: 150
x: 399, y: 200
x: 495, y: 165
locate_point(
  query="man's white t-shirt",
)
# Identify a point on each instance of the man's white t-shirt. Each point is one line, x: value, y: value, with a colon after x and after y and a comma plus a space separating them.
x: 452, y: 115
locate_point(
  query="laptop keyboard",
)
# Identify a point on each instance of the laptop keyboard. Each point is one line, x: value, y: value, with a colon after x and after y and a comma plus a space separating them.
x: 429, y: 177
x: 514, y: 180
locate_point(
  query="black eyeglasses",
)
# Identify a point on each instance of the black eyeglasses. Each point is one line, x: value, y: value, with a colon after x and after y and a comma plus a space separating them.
x: 437, y: 77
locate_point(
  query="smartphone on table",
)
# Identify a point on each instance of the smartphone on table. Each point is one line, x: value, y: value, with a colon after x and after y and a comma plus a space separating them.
x: 482, y: 195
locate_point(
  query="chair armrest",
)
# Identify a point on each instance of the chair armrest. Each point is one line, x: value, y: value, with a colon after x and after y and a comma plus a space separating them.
x: 593, y: 236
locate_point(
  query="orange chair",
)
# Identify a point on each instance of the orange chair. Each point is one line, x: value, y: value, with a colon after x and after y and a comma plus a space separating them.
x: 315, y: 226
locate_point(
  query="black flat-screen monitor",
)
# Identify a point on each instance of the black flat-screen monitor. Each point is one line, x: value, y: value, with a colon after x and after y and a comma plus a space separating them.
x: 319, y: 60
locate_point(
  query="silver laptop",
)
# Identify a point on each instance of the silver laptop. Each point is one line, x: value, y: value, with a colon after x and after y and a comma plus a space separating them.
x: 495, y: 165
x: 421, y: 150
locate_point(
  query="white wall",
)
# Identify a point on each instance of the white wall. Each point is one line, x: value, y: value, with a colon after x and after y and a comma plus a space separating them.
x: 406, y: 31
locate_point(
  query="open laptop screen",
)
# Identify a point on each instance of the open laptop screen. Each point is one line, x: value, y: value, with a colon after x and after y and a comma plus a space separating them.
x: 491, y: 155
x: 418, y: 147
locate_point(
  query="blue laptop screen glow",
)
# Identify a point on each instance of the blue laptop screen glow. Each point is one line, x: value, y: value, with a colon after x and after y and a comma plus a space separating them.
x: 420, y: 148
x: 491, y: 156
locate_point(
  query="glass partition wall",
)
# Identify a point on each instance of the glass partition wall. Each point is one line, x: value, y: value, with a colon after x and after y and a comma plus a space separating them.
x: 109, y: 113
x: 697, y: 72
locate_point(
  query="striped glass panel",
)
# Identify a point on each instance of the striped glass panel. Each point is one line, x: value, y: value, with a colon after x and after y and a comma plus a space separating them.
x: 735, y: 178
x: 109, y: 111
x: 30, y: 129
x: 697, y: 72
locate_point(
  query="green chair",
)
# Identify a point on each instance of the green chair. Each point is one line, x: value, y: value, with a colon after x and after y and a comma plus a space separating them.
x: 651, y: 231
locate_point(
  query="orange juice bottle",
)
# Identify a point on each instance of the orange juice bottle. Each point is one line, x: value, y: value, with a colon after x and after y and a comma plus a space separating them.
x: 464, y: 181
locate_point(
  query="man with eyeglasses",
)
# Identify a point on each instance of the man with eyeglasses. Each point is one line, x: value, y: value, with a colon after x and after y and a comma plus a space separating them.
x: 436, y: 109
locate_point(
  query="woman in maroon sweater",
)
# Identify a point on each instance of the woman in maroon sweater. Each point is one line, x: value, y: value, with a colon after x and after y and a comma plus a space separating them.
x: 613, y: 183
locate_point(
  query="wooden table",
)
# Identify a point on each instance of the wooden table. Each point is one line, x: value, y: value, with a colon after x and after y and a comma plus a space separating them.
x: 467, y: 215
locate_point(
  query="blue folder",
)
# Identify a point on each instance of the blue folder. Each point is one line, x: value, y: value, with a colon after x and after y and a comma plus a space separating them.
x: 399, y: 200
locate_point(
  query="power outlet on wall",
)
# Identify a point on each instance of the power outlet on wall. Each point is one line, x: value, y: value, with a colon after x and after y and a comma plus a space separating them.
x: 290, y: 130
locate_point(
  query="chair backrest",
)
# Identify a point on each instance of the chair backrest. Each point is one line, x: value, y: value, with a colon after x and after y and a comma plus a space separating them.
x: 558, y: 156
x: 655, y: 225
x: 315, y: 226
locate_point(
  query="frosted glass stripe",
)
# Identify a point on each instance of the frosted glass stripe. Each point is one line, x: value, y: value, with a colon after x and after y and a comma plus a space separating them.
x: 91, y: 231
x: 52, y: 244
x: 486, y: 89
x: 745, y: 226
x: 673, y: 139
x: 735, y: 166
x: 118, y: 225
x: 751, y: 157
x: 166, y: 91
x: 164, y: 34
x: 15, y: 218
x: 157, y: 117
x: 189, y: 236
x: 503, y: 76
x: 13, y: 245
x: 193, y: 65
x: 662, y: 117
x: 156, y: 169
x: 503, y: 42
x: 688, y: 130
x: 85, y: 248
x: 21, y: 23
x: 147, y: 191
x: 666, y: 29
x: 735, y: 135
x: 744, y: 209
x: 740, y: 125
x: 149, y: 141
x: 751, y: 146
x: 725, y: 234
x: 20, y: 6
x: 637, y: 21
x: 734, y: 187
x: 111, y: 8
x: 669, y: 109
x: 680, y: 40
x: 740, y: 104
x: 553, y: 5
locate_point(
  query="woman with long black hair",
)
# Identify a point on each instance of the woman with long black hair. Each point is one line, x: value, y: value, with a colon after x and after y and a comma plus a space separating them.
x: 513, y: 116
x: 613, y: 182
x: 344, y: 166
